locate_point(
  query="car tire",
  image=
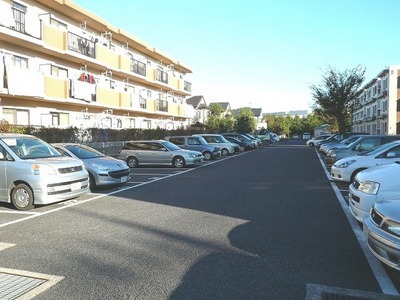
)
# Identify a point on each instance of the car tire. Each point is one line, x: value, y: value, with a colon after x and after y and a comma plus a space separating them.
x: 132, y: 162
x: 207, y: 155
x: 92, y: 182
x: 224, y: 152
x: 22, y: 197
x: 311, y: 145
x: 178, y: 162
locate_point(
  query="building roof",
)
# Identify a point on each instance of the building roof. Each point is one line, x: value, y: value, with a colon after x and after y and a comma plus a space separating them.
x: 197, y: 102
x: 257, y: 112
x: 225, y: 105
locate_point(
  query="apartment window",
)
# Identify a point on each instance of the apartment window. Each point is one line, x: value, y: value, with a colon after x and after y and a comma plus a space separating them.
x: 142, y: 102
x: 161, y: 75
x: 138, y: 67
x: 55, y: 119
x: 49, y: 69
x: 21, y: 62
x: 58, y: 24
x: 16, y: 116
x: 19, y: 12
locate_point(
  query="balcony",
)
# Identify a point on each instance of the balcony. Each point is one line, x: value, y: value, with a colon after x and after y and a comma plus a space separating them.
x: 162, y: 105
x: 81, y: 45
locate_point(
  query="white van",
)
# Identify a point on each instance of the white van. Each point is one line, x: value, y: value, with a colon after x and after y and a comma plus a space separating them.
x: 34, y: 173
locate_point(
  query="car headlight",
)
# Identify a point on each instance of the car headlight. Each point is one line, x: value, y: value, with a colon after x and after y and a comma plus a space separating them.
x: 40, y: 169
x: 392, y: 227
x: 192, y: 155
x: 333, y: 154
x: 345, y: 164
x: 369, y: 187
x: 99, y: 167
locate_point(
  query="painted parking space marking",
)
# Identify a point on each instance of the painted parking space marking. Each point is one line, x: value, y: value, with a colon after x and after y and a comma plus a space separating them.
x: 18, y: 284
x: 379, y: 272
x: 4, y: 246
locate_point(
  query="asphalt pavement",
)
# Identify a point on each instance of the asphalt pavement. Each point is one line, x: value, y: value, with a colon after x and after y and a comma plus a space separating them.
x: 265, y: 224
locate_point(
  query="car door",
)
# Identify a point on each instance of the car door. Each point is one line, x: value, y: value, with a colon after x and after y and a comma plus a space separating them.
x: 3, y: 175
x: 389, y: 156
x: 161, y: 155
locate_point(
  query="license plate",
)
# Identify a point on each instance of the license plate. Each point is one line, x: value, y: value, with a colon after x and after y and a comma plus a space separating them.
x: 75, y: 186
x: 124, y: 179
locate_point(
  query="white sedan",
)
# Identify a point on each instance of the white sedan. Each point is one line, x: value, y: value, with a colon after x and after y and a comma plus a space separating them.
x: 346, y: 169
x: 371, y: 186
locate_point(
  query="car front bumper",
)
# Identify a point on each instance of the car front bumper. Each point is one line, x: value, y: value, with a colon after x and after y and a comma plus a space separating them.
x: 383, y: 245
x: 360, y: 203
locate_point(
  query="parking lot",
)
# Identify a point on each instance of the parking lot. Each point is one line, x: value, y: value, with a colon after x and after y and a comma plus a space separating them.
x: 264, y: 224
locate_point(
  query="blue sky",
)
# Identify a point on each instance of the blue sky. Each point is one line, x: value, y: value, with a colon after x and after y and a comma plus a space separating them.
x: 262, y: 53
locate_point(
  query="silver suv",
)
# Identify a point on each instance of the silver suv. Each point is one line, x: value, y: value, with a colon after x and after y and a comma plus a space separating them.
x: 157, y: 152
x: 33, y: 173
x: 196, y: 143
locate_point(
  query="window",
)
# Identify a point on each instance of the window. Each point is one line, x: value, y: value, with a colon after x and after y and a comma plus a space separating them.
x: 16, y: 116
x: 49, y: 69
x: 58, y: 24
x: 19, y: 12
x: 21, y: 62
x: 177, y: 141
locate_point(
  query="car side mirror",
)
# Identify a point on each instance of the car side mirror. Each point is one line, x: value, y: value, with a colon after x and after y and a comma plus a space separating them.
x: 391, y: 155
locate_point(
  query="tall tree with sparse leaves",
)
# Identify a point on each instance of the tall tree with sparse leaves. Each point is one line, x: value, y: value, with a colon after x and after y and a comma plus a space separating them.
x: 335, y: 95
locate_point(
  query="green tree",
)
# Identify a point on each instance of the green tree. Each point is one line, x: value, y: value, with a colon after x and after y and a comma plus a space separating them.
x: 245, y: 121
x: 335, y: 95
x: 215, y: 116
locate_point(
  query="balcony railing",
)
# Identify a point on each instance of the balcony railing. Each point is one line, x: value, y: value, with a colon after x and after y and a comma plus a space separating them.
x: 162, y: 105
x: 138, y: 67
x: 81, y: 45
x: 162, y: 76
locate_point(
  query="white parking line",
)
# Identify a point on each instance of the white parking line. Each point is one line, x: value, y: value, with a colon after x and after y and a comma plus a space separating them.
x: 380, y: 274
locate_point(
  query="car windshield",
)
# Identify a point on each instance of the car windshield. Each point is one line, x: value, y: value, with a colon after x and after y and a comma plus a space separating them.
x: 30, y: 147
x: 352, y: 143
x: 221, y: 139
x: 84, y: 152
x: 170, y: 146
x: 202, y: 140
x: 380, y: 148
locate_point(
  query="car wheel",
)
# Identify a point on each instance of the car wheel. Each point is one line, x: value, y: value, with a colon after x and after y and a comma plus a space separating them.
x: 207, y: 155
x: 92, y: 182
x: 132, y: 162
x: 22, y: 197
x: 242, y: 148
x: 178, y: 162
x: 311, y: 144
x: 224, y: 152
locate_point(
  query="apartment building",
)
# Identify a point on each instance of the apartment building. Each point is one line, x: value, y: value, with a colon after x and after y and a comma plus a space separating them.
x: 377, y: 108
x: 61, y: 66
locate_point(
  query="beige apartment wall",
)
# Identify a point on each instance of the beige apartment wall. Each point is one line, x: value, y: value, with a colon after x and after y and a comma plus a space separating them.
x: 55, y: 87
x: 54, y: 37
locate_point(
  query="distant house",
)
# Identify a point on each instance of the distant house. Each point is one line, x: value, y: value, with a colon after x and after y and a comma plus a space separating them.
x: 200, y: 109
x: 225, y: 106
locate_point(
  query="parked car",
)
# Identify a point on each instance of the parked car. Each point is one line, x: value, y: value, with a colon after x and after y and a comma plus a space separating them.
x: 373, y: 185
x: 218, y: 140
x: 382, y: 232
x: 306, y: 136
x: 336, y: 138
x: 157, y: 152
x: 257, y: 141
x: 295, y: 136
x: 346, y: 169
x: 241, y: 146
x: 195, y: 143
x: 333, y: 145
x: 362, y: 144
x: 245, y: 142
x: 311, y: 142
x: 103, y: 170
x: 35, y: 173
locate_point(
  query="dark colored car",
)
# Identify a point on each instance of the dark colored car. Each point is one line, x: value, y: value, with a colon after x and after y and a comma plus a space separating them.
x: 244, y: 142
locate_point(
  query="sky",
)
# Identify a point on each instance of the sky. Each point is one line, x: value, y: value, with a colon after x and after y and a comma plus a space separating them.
x: 262, y: 53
